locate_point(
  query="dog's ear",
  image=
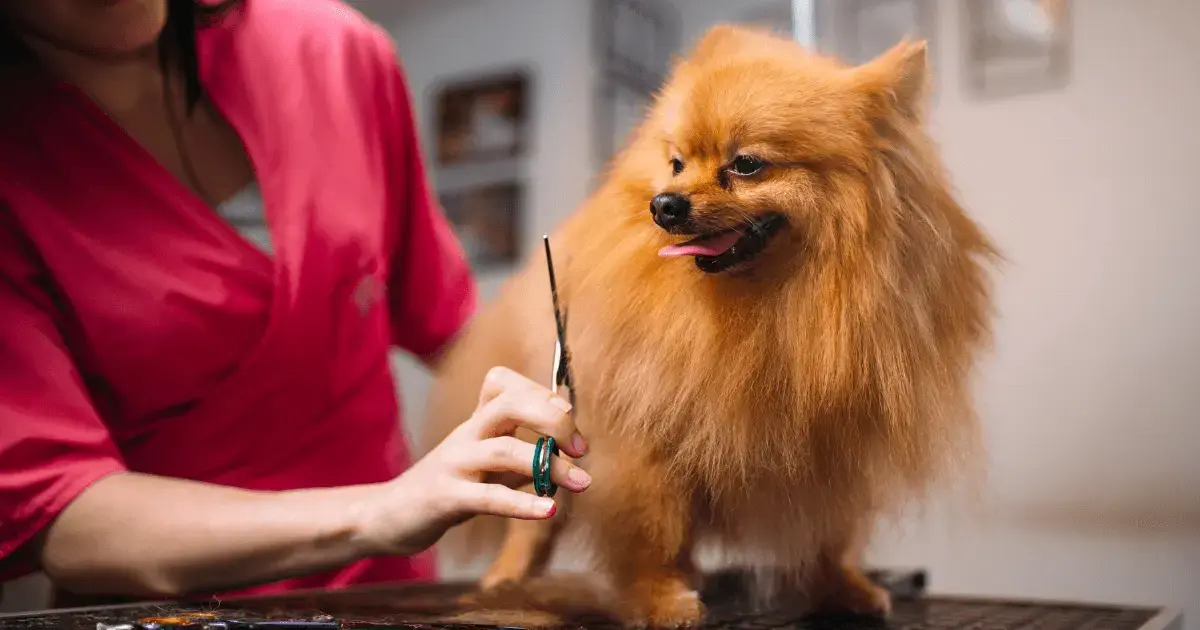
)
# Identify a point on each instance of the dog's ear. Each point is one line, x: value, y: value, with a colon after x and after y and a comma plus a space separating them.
x: 900, y: 77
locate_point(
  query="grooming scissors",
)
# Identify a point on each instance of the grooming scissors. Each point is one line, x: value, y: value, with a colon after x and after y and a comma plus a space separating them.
x: 560, y: 377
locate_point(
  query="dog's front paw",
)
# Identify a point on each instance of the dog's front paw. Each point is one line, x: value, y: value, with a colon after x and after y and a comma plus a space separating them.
x: 853, y: 594
x: 499, y: 580
x: 667, y: 605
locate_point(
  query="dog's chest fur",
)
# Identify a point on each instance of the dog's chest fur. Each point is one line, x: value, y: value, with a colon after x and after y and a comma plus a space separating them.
x: 749, y: 457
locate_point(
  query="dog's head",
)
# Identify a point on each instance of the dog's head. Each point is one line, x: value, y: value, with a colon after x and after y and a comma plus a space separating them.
x: 761, y: 155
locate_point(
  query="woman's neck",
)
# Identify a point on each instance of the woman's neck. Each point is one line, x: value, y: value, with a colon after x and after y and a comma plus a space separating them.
x: 120, y: 85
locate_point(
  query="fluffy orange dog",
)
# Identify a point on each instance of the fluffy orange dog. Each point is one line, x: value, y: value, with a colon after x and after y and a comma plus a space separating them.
x: 774, y: 305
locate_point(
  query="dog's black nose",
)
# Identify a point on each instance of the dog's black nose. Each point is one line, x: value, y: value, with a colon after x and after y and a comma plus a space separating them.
x: 670, y: 209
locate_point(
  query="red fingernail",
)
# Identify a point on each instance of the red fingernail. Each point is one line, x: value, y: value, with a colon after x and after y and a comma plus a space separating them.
x: 552, y: 510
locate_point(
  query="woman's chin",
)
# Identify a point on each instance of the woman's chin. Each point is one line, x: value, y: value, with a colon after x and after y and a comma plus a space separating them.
x: 136, y: 26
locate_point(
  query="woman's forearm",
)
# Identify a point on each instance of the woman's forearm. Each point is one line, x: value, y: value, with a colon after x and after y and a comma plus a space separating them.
x: 143, y: 535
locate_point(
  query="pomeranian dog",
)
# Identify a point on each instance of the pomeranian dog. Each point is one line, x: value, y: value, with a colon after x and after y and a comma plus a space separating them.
x: 774, y: 302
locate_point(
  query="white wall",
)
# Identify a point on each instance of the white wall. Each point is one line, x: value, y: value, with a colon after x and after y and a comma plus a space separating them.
x: 464, y: 39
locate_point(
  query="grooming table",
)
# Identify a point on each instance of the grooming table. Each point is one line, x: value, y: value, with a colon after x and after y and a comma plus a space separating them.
x: 416, y: 608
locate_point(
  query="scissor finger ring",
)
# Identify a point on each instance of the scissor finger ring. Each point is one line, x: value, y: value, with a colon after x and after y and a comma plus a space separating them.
x: 542, y: 452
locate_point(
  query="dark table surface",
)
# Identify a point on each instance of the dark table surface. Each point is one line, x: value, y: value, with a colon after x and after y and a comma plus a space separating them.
x: 443, y: 606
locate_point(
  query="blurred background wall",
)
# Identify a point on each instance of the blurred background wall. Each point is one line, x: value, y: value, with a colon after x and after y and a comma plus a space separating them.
x: 1088, y: 183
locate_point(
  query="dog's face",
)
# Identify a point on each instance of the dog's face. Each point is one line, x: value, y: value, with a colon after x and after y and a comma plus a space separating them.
x: 763, y: 150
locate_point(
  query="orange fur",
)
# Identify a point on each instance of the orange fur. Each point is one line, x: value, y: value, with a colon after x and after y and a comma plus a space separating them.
x: 781, y: 410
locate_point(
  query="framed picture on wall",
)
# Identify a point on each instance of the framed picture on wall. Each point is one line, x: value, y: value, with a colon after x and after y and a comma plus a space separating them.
x: 482, y: 118
x: 1016, y: 46
x: 635, y: 40
x: 487, y: 220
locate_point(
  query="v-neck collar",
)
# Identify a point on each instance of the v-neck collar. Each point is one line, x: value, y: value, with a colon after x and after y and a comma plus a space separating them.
x: 220, y: 77
x: 197, y: 206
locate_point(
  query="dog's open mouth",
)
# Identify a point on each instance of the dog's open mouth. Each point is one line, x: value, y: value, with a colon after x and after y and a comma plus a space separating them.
x: 723, y: 250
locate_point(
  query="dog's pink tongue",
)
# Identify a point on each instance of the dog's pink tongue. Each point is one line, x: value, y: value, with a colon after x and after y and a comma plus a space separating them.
x: 714, y: 246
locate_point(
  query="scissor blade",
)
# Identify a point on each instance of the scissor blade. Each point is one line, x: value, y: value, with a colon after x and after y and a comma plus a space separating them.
x: 560, y: 345
x: 554, y: 376
x: 558, y: 320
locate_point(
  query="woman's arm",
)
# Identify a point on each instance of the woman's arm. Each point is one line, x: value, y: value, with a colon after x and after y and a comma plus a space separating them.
x: 145, y: 535
x: 139, y: 534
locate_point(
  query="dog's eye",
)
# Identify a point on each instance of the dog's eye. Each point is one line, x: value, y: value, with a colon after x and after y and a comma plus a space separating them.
x: 676, y: 165
x: 746, y: 165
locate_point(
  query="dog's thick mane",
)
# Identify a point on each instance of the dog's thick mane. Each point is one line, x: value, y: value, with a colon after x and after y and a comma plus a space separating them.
x: 851, y: 375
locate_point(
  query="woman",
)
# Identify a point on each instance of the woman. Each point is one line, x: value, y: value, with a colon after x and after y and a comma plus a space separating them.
x: 184, y: 411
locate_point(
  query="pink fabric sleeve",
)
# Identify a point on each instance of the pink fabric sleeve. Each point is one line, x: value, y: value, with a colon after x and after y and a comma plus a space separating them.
x: 432, y: 290
x: 53, y: 445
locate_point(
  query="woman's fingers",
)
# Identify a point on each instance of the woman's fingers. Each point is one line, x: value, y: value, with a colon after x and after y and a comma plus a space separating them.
x: 489, y: 498
x: 511, y: 455
x: 534, y: 408
x: 501, y: 379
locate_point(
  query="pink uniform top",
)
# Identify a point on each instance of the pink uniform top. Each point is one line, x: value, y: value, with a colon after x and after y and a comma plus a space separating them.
x: 139, y: 331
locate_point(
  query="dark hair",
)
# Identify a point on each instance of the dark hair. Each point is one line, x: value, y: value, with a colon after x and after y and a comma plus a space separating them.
x: 176, y: 43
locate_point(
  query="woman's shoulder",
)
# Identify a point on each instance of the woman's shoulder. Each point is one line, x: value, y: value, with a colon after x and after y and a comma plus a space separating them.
x: 307, y: 29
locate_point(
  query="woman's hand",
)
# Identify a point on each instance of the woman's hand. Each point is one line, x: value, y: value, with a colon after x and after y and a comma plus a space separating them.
x: 474, y: 470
